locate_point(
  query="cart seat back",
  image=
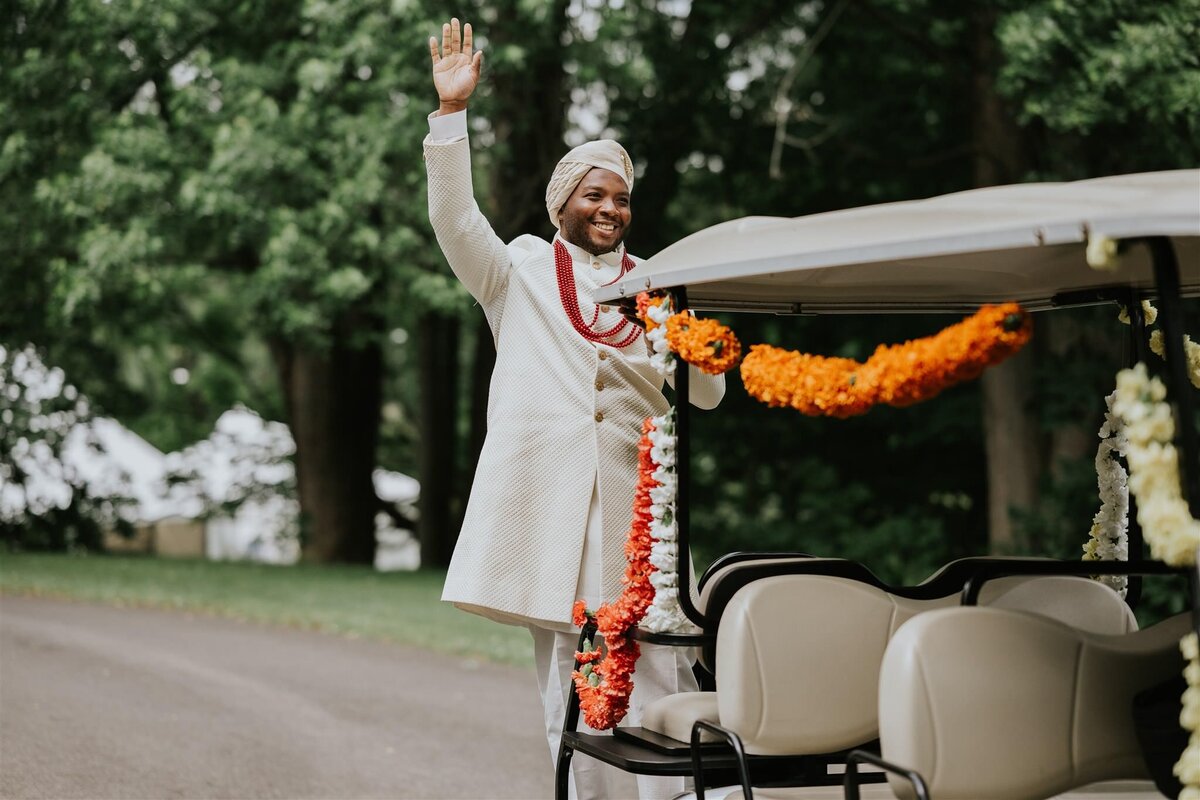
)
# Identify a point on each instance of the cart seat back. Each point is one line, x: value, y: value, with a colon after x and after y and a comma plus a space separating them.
x: 994, y: 703
x: 799, y: 655
x: 726, y: 576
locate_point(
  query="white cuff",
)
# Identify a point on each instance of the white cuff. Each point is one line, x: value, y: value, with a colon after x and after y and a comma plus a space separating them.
x: 448, y: 126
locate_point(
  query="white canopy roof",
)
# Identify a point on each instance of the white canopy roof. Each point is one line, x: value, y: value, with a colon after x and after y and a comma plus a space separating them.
x: 1024, y: 242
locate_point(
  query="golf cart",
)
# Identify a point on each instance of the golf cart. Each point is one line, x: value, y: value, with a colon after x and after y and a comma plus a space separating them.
x: 819, y: 666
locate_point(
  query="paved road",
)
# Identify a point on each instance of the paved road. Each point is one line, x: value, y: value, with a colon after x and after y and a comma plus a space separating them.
x: 100, y: 702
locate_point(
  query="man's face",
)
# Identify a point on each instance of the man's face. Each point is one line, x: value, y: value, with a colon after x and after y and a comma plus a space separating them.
x: 597, y: 213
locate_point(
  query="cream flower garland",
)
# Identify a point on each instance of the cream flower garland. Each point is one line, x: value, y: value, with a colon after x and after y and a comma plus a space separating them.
x: 1149, y: 313
x: 1109, y: 537
x: 1172, y: 532
x: 1187, y: 769
x: 1191, y: 352
x: 1149, y: 426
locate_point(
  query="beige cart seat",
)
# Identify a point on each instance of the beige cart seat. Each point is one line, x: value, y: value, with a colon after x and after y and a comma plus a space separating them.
x: 799, y: 655
x: 992, y: 703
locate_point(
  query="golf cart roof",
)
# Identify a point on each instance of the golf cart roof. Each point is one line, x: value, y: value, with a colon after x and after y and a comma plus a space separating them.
x: 1024, y: 242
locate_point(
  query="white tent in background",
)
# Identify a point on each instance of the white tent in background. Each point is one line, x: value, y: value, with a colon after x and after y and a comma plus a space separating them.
x: 229, y: 496
x: 242, y: 476
x: 125, y: 464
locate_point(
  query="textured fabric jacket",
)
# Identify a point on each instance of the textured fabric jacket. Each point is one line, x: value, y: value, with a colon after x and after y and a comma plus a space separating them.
x: 563, y: 415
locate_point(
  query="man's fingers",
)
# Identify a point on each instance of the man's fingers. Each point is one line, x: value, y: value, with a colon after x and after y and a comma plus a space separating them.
x: 433, y: 50
x: 455, y: 38
x: 446, y: 40
x: 468, y: 39
x: 477, y: 64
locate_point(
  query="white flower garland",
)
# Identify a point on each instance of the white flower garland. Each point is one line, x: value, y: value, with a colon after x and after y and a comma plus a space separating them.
x: 1173, y: 534
x: 1191, y: 354
x: 1187, y: 769
x: 664, y: 614
x: 661, y: 356
x: 1149, y: 426
x: 1109, y: 537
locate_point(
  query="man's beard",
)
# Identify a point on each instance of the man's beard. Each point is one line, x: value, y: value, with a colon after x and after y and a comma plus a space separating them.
x: 577, y: 231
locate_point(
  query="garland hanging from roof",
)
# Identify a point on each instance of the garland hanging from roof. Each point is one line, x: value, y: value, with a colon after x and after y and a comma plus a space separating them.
x: 896, y: 375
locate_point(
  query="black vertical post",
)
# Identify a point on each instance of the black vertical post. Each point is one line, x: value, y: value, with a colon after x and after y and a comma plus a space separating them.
x: 1137, y: 354
x: 1170, y: 316
x: 562, y: 767
x: 683, y: 473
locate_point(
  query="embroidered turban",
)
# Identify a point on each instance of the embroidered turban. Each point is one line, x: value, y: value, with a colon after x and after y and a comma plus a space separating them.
x: 603, y: 153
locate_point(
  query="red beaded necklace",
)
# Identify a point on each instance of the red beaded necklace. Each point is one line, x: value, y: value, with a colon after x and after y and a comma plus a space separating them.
x: 569, y: 295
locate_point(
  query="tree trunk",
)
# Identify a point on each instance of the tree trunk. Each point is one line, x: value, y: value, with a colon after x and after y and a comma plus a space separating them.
x: 1014, y: 456
x: 437, y: 346
x: 333, y: 400
x: 1011, y: 438
x: 528, y: 117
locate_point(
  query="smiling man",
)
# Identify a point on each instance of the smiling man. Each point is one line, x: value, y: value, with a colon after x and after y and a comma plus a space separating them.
x: 551, y: 503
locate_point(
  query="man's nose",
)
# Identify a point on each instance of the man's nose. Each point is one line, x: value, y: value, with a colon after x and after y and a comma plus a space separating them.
x: 607, y: 206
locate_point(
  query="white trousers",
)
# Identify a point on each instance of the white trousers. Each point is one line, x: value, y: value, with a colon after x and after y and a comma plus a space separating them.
x: 660, y: 671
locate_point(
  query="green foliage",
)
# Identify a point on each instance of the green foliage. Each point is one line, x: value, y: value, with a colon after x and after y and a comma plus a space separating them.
x: 196, y: 187
x: 1117, y: 82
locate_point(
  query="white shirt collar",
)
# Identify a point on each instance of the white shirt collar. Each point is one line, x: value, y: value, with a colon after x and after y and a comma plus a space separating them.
x: 610, y: 259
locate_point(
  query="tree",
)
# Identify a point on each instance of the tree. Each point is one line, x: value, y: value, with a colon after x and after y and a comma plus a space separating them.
x: 266, y: 148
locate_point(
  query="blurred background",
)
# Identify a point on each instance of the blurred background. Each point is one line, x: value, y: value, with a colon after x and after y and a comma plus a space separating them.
x: 226, y: 330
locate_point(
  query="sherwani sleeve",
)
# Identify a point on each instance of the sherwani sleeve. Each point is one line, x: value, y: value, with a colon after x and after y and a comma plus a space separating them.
x: 476, y: 254
x: 704, y: 391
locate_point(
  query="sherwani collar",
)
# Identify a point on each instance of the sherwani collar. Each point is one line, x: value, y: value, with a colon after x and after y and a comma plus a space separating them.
x: 578, y: 254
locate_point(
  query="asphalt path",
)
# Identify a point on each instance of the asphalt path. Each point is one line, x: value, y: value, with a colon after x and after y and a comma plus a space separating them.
x: 101, y: 702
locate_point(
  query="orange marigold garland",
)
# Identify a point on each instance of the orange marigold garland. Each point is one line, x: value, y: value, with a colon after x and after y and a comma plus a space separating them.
x: 704, y: 343
x: 898, y: 375
x: 604, y: 687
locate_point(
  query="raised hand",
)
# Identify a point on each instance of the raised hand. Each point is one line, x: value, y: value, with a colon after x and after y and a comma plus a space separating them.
x: 455, y: 68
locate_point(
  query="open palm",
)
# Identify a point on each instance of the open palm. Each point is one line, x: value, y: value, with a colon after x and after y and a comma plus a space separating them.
x: 455, y: 68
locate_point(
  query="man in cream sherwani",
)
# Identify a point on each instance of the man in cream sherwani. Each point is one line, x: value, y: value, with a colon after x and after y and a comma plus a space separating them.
x: 552, y: 498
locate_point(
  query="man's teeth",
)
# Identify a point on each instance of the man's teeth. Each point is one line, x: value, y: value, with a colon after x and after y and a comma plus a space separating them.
x: 605, y: 226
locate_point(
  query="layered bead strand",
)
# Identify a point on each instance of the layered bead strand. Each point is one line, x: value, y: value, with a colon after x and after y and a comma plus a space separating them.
x: 568, y: 294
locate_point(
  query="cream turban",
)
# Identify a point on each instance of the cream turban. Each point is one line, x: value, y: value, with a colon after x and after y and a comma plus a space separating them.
x: 603, y: 153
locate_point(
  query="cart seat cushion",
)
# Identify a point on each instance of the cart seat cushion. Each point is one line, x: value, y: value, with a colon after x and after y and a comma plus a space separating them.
x: 675, y: 714
x: 1109, y: 790
x: 993, y: 703
x: 799, y: 655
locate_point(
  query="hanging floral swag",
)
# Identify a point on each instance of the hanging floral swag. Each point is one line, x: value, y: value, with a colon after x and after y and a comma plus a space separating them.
x: 704, y: 343
x: 1171, y: 531
x: 1108, y: 539
x: 650, y: 598
x: 896, y: 375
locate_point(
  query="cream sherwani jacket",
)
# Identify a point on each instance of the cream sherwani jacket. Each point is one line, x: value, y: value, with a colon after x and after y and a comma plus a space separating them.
x: 564, y: 415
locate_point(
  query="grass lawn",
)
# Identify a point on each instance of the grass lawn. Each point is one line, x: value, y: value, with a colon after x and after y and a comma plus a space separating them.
x: 354, y: 601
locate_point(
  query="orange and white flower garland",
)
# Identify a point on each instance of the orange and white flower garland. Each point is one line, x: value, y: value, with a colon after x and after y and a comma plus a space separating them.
x: 604, y: 680
x: 704, y: 343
